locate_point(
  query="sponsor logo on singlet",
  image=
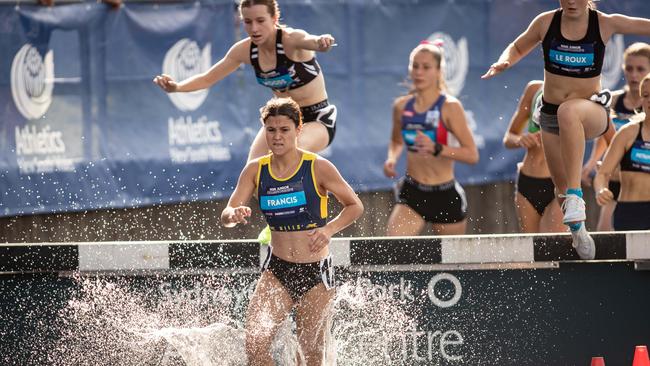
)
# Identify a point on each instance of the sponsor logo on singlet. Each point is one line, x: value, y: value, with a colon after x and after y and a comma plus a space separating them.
x: 641, y: 156
x: 572, y: 55
x: 277, y: 82
x: 282, y: 201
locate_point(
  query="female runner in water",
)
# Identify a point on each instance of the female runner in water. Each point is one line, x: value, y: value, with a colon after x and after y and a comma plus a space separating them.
x: 291, y: 186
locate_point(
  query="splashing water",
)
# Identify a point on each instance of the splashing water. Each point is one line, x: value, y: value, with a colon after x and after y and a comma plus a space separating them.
x: 198, y: 321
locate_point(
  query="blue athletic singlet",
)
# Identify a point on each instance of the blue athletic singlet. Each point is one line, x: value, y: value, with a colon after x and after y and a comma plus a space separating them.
x: 622, y: 115
x: 637, y: 158
x: 293, y: 203
x: 287, y: 74
x: 430, y: 123
x: 578, y: 59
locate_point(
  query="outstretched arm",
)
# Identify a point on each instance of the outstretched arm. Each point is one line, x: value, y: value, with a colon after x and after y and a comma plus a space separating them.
x: 303, y: 40
x: 330, y: 180
x: 521, y: 46
x: 618, y: 23
x: 235, y: 57
x: 237, y: 210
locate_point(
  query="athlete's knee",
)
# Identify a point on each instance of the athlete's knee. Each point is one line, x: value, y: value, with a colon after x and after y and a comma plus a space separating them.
x: 258, y: 345
x: 568, y: 113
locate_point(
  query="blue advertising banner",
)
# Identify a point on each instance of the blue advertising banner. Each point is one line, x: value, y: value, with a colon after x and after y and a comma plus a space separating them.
x: 83, y: 127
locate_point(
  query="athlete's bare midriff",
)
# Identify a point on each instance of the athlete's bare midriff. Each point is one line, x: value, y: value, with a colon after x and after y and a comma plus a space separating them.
x: 559, y: 89
x: 425, y: 170
x: 308, y: 94
x: 293, y: 246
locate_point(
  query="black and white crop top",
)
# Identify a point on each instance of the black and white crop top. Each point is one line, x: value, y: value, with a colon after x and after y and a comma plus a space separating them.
x: 287, y: 74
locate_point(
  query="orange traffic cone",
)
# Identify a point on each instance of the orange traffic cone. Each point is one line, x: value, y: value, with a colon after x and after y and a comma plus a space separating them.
x: 641, y: 356
x: 598, y: 361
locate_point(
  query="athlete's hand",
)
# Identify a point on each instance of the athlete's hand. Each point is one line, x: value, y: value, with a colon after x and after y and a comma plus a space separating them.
x: 389, y: 168
x: 496, y: 68
x: 423, y: 143
x: 238, y: 215
x: 325, y: 42
x: 604, y: 196
x: 318, y: 239
x: 166, y: 83
x: 530, y: 140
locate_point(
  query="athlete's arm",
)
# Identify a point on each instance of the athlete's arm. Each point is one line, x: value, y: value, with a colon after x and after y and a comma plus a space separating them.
x: 396, y: 143
x: 298, y: 38
x: 456, y: 122
x: 329, y: 179
x: 618, y: 23
x: 515, y: 137
x: 237, y: 210
x: 521, y: 46
x: 613, y: 155
x: 229, y: 63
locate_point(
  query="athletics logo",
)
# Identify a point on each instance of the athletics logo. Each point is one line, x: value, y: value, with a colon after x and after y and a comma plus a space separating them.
x: 185, y: 59
x: 456, y: 61
x: 32, y: 81
x: 611, y: 74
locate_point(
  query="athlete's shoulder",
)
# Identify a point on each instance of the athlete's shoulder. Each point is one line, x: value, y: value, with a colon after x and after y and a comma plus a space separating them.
x: 534, y: 85
x: 240, y: 50
x: 451, y: 100
x: 629, y: 131
x: 293, y: 34
x: 543, y: 20
x: 400, y: 102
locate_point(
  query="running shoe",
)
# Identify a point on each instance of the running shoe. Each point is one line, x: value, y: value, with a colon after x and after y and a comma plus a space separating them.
x: 583, y: 243
x: 573, y: 208
x: 264, y: 238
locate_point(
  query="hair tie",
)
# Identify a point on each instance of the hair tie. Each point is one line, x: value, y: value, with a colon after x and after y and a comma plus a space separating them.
x: 436, y: 42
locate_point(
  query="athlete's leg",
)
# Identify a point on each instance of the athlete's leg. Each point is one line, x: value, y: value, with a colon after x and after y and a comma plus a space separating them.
x: 259, y: 146
x: 314, y: 137
x: 403, y: 221
x: 528, y: 217
x: 555, y: 161
x: 268, y: 307
x: 605, y: 217
x: 313, y: 315
x: 456, y: 228
x: 551, y: 221
x: 579, y: 120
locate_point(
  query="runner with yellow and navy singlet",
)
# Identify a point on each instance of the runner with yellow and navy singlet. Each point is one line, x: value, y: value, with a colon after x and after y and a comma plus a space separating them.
x: 292, y: 187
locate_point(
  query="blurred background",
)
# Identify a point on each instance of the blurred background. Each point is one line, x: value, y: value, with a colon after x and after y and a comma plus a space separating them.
x: 92, y: 150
